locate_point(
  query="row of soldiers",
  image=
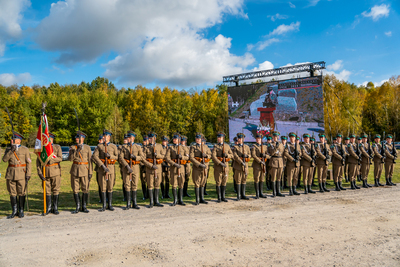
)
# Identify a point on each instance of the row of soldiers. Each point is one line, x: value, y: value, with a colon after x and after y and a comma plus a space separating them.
x: 152, y: 163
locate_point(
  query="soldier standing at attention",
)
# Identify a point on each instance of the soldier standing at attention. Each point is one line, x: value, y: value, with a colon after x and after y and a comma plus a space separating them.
x: 96, y: 168
x: 204, y: 141
x: 120, y: 169
x: 18, y: 174
x: 130, y: 157
x: 323, y: 157
x: 353, y: 162
x: 154, y: 154
x: 221, y: 152
x: 53, y: 177
x: 346, y: 165
x: 143, y: 169
x: 165, y: 169
x: 276, y: 151
x: 338, y: 161
x: 379, y: 159
x: 366, y: 157
x: 268, y: 174
x: 176, y: 158
x: 241, y: 154
x: 260, y: 155
x: 293, y: 155
x: 307, y: 163
x: 187, y: 169
x: 105, y: 156
x: 391, y: 156
x: 200, y: 156
x: 284, y: 172
x: 235, y: 142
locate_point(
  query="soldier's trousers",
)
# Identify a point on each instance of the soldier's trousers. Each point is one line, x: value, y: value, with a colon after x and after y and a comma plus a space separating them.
x: 80, y: 183
x: 292, y: 175
x: 307, y: 175
x: 199, y: 177
x: 352, y: 171
x: 107, y: 185
x: 175, y: 179
x: 389, y: 166
x: 276, y: 174
x: 322, y: 172
x: 53, y: 185
x: 153, y: 183
x: 378, y: 167
x: 16, y: 187
x: 365, y: 170
x: 131, y: 181
x: 337, y: 173
x: 240, y: 176
x: 258, y: 175
x: 220, y: 176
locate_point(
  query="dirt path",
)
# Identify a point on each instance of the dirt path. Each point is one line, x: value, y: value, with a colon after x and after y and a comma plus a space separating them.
x: 333, y: 229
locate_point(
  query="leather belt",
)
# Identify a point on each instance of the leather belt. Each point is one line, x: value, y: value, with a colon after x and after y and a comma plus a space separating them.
x: 277, y: 157
x: 81, y: 163
x: 18, y: 165
x: 50, y: 165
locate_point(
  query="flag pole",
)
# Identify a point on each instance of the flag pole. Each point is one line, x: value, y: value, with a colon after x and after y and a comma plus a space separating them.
x: 44, y: 166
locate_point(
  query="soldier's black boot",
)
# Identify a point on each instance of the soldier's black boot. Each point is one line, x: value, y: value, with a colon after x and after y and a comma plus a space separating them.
x: 324, y: 186
x: 180, y: 196
x: 352, y: 185
x: 341, y: 187
x: 110, y: 195
x: 77, y: 203
x: 337, y: 188
x: 278, y: 189
x: 376, y: 183
x: 144, y: 191
x: 175, y: 195
x: 166, y: 194
x: 390, y: 180
x: 290, y: 191
x: 285, y: 183
x: 14, y: 207
x: 268, y: 183
x: 103, y: 200
x: 387, y: 182
x: 223, y: 190
x: 243, y: 193
x: 305, y: 189
x: 85, y: 199
x: 295, y: 192
x: 356, y: 186
x: 256, y: 185
x: 123, y: 192
x: 260, y: 188
x: 21, y: 206
x: 358, y: 178
x: 185, y: 188
x: 151, y: 198
x: 55, y: 205
x: 379, y: 183
x: 134, y: 200
x: 202, y: 196
x: 310, y: 190
x: 238, y: 192
x: 273, y: 186
x: 218, y: 189
x: 235, y: 187
x: 197, y: 193
x: 162, y: 190
x: 205, y: 189
x: 100, y: 195
x: 128, y: 200
x: 156, y: 201
x: 48, y: 204
x: 321, y: 188
x: 364, y: 184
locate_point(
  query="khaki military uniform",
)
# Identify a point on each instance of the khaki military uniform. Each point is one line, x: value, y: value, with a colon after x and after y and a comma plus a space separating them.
x: 241, y: 171
x: 152, y: 180
x: 177, y: 175
x: 378, y: 163
x: 390, y: 152
x: 306, y: 163
x: 321, y: 160
x: 338, y: 161
x: 365, y: 160
x: 276, y: 153
x: 131, y: 181
x: 187, y: 165
x: 199, y: 175
x: 292, y: 167
x: 107, y: 180
x: 165, y: 168
x: 221, y: 175
x: 19, y: 167
x: 81, y: 168
x: 53, y: 171
x: 259, y: 170
x: 352, y: 161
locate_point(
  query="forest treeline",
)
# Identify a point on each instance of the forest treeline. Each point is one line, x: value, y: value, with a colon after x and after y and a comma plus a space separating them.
x: 99, y: 104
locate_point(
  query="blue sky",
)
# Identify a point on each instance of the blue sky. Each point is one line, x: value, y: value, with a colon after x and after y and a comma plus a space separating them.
x: 192, y: 44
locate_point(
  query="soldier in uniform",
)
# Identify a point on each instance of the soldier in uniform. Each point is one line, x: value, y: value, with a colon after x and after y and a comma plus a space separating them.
x: 314, y: 169
x: 346, y: 165
x: 353, y: 161
x: 391, y: 156
x: 126, y: 138
x: 18, y: 174
x: 267, y: 165
x: 260, y: 155
x: 53, y: 176
x: 366, y: 157
x: 276, y: 151
x: 81, y: 171
x: 338, y: 161
x: 307, y: 163
x: 293, y: 155
x: 154, y: 152
x: 221, y: 154
x: 200, y: 156
x: 130, y: 156
x: 241, y: 154
x: 233, y: 161
x: 379, y: 159
x: 165, y: 169
x: 204, y: 140
x: 187, y: 169
x: 105, y: 156
x: 176, y: 158
x: 96, y: 169
x: 284, y: 172
x: 358, y: 142
x: 323, y: 156
x: 143, y: 169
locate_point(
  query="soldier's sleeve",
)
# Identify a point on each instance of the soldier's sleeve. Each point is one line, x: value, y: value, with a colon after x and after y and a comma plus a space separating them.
x: 372, y: 152
x: 388, y: 154
x: 208, y: 152
x: 145, y: 162
x: 214, y: 156
x: 375, y: 149
x: 7, y: 155
x: 305, y: 155
x: 121, y: 158
x: 161, y: 153
x: 364, y: 152
x: 182, y: 152
x: 319, y: 153
x: 192, y: 158
x: 114, y: 155
x: 335, y: 154
x: 254, y: 154
x: 228, y: 151
x: 236, y: 156
x: 351, y: 151
x: 328, y: 149
x: 96, y: 158
x: 71, y: 153
x: 38, y: 166
x: 90, y: 165
x: 168, y: 157
x: 300, y: 152
x: 140, y: 156
x: 28, y: 163
x: 287, y: 155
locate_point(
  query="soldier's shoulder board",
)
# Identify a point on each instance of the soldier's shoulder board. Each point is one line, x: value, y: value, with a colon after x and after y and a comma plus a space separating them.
x: 332, y: 146
x: 373, y: 145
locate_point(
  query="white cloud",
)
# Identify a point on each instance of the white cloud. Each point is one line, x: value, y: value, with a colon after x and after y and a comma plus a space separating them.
x: 10, y: 18
x: 154, y: 40
x: 292, y: 5
x: 7, y: 79
x: 313, y: 3
x: 277, y: 16
x: 263, y: 44
x: 266, y: 65
x: 377, y: 12
x: 335, y: 66
x: 343, y: 75
x: 375, y: 83
x: 282, y: 29
x: 388, y: 34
